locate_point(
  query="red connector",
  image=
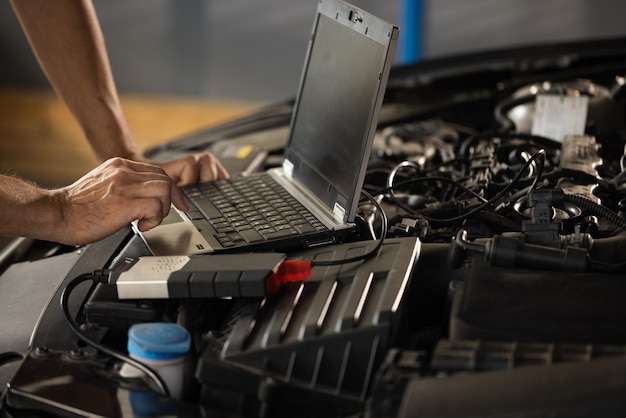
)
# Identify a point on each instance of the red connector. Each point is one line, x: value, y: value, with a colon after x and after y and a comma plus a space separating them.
x: 288, y: 271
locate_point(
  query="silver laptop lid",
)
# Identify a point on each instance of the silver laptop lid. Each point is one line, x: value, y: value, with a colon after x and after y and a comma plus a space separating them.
x: 336, y: 112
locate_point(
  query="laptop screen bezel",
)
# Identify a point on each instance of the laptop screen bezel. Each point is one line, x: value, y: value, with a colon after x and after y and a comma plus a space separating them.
x: 342, y: 201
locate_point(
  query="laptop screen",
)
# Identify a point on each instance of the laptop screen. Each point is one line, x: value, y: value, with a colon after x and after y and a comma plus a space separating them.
x: 335, y: 112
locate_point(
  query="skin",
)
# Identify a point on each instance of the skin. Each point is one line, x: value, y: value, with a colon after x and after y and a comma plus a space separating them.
x: 67, y: 41
x: 106, y: 199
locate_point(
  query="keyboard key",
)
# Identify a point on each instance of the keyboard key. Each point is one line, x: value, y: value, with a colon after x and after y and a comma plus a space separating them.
x: 208, y: 209
x: 251, y: 236
x: 218, y: 220
x: 305, y: 228
x: 280, y: 234
x: 256, y: 208
x: 194, y: 215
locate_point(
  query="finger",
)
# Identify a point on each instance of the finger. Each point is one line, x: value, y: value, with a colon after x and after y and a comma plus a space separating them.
x: 210, y: 168
x: 178, y: 199
x: 195, y: 168
x: 186, y: 170
x: 182, y: 171
x: 150, y: 213
x: 159, y: 189
x: 146, y: 224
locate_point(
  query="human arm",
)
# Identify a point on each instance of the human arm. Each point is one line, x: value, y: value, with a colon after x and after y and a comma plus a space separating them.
x: 100, y: 203
x: 66, y: 38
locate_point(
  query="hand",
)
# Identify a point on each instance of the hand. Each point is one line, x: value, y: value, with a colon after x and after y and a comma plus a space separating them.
x: 195, y: 168
x: 191, y: 169
x: 111, y: 196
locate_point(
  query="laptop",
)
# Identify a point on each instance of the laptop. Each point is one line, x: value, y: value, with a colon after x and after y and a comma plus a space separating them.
x: 332, y: 128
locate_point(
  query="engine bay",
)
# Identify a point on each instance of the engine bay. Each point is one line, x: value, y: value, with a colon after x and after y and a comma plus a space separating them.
x: 498, y: 288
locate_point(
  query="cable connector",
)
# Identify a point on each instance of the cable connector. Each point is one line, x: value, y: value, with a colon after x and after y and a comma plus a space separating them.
x: 249, y: 275
x: 543, y: 228
x: 289, y: 271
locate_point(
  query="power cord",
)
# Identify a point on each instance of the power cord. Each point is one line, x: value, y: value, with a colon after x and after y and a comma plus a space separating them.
x: 102, y: 276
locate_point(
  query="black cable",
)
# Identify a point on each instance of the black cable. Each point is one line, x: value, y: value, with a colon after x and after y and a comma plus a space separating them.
x: 102, y: 276
x: 374, y: 251
x: 540, y: 167
x: 9, y: 356
x: 442, y: 179
x: 505, y: 190
x: 520, y: 173
x: 597, y: 209
x: 542, y: 141
x: 390, y: 186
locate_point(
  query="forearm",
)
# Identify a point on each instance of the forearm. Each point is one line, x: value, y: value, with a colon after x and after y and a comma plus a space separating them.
x: 66, y: 38
x: 27, y: 210
x: 106, y: 199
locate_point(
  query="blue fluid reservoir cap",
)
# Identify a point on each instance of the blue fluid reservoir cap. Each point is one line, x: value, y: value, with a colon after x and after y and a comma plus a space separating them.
x: 158, y: 340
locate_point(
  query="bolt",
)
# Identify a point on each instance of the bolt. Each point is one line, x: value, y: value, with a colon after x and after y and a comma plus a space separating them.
x: 42, y: 351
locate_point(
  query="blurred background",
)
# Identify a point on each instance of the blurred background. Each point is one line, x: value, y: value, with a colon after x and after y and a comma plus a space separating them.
x: 181, y: 65
x: 253, y: 50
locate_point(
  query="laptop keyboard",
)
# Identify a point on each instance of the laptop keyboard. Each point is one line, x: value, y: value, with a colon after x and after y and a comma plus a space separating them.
x: 250, y: 210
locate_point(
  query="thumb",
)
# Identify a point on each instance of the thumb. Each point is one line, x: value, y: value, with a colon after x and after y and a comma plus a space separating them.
x: 178, y: 199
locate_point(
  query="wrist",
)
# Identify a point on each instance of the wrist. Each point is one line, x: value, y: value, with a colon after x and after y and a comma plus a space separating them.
x: 109, y: 144
x: 31, y: 211
x: 50, y: 210
x: 110, y: 136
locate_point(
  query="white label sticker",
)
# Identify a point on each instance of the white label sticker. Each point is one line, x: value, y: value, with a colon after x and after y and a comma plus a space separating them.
x: 557, y: 116
x: 339, y: 211
x: 164, y: 264
x: 288, y: 169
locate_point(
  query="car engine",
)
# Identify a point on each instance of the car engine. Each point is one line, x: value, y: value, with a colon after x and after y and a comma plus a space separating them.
x: 497, y: 290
